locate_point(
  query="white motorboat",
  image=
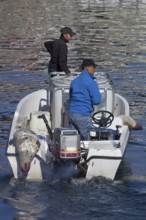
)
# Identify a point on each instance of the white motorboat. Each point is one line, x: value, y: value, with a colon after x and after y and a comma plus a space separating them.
x: 41, y: 144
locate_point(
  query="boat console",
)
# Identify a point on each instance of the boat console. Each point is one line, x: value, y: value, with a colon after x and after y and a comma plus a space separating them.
x: 59, y: 98
x: 100, y: 134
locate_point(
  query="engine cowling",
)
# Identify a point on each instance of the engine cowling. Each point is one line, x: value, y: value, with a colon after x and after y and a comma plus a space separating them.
x: 66, y: 144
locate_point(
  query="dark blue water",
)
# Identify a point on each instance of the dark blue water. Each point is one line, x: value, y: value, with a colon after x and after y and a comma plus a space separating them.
x: 113, y: 33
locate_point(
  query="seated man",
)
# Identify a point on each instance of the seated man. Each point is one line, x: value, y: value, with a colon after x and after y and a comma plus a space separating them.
x: 84, y: 93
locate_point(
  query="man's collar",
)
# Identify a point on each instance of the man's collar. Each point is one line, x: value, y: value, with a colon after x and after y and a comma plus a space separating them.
x: 62, y: 38
x: 91, y: 75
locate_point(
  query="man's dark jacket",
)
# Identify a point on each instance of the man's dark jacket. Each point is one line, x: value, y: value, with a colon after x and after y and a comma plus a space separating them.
x: 58, y: 51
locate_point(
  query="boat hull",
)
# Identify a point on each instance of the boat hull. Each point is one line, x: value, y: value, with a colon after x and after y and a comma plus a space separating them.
x: 104, y: 156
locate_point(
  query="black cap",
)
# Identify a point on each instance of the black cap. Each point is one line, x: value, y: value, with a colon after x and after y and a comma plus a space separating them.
x: 67, y: 30
x: 88, y: 62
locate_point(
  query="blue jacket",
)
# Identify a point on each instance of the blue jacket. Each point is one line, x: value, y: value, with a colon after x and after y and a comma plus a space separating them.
x: 84, y: 93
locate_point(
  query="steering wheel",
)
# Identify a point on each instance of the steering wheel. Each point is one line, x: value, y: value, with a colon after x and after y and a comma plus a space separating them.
x: 103, y: 118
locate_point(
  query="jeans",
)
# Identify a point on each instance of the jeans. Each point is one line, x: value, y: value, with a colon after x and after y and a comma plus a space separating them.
x: 81, y: 123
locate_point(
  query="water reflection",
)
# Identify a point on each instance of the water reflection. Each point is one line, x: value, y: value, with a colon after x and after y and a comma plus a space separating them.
x: 76, y: 200
x: 26, y: 199
x: 96, y: 22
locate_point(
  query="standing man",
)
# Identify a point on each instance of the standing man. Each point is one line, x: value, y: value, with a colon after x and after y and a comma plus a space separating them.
x: 84, y: 93
x: 58, y: 51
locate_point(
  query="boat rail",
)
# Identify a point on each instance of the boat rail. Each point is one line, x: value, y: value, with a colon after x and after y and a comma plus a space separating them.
x: 63, y: 81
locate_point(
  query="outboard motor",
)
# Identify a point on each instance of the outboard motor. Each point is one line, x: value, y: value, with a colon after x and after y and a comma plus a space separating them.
x: 67, y: 151
x: 66, y: 144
